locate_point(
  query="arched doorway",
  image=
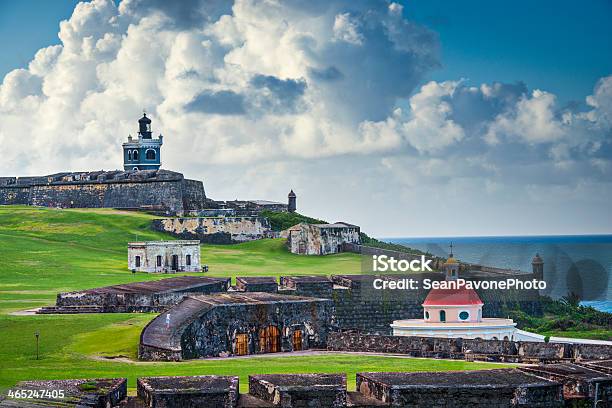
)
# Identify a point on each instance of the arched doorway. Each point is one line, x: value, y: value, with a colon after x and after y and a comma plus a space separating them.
x: 442, y: 315
x: 297, y: 340
x: 175, y: 263
x: 269, y: 340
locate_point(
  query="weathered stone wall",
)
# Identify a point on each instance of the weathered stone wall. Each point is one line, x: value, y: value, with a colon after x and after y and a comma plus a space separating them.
x: 360, y: 307
x: 214, y: 333
x: 102, y: 392
x: 215, y: 230
x: 197, y: 391
x: 194, y: 195
x: 544, y: 386
x: 320, y: 239
x: 579, y: 382
x: 157, y: 190
x: 128, y: 302
x: 300, y: 390
x: 476, y: 349
x: 485, y: 389
x: 257, y: 284
x: 125, y: 302
x: 13, y: 195
x: 585, y: 352
x: 166, y: 195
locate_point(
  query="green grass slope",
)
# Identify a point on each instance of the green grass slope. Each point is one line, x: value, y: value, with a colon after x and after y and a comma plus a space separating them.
x: 45, y: 251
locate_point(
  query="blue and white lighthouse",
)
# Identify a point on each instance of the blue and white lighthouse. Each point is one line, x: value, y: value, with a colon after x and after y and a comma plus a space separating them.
x: 143, y: 153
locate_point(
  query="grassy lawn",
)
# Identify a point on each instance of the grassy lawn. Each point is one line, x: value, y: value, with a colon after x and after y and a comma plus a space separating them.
x: 46, y: 251
x: 80, y: 347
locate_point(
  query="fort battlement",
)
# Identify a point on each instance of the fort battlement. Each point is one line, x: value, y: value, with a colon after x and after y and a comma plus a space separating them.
x: 552, y: 386
x: 357, y: 305
x: 158, y: 190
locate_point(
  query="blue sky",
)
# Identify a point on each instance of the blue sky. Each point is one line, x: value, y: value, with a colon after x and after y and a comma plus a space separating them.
x: 425, y: 118
x: 561, y: 46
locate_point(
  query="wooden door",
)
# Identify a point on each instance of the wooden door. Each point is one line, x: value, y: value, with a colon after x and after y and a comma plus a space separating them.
x: 274, y: 339
x: 269, y: 340
x: 242, y: 344
x: 297, y: 340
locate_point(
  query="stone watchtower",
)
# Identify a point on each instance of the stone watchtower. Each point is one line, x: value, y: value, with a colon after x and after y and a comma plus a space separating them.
x: 537, y: 267
x: 143, y: 153
x: 291, y: 205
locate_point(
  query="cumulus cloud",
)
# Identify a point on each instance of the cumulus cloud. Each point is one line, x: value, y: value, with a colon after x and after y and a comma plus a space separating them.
x: 346, y: 28
x: 314, y: 90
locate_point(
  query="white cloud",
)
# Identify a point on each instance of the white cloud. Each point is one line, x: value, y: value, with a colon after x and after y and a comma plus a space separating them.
x: 329, y: 93
x: 346, y: 28
x: 532, y: 119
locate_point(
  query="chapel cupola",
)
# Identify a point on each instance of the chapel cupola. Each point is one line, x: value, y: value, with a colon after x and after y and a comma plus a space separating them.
x: 453, y: 304
x: 451, y: 266
x: 143, y: 153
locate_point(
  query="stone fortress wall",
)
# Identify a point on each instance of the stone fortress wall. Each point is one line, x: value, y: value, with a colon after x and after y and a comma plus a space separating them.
x: 357, y: 306
x: 157, y: 190
x: 505, y: 351
x: 216, y: 230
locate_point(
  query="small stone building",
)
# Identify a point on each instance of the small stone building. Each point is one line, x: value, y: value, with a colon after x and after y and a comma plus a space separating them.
x: 321, y: 239
x: 164, y: 256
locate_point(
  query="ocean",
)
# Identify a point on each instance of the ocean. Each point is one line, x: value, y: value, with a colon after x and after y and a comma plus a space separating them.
x: 572, y: 263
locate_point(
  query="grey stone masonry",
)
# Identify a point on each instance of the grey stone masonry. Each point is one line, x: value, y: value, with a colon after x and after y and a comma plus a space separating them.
x: 481, y: 389
x: 67, y: 393
x: 604, y: 366
x: 150, y: 296
x: 237, y: 323
x: 529, y: 386
x: 469, y: 349
x: 216, y: 230
x: 321, y: 239
x: 257, y: 284
x: 300, y: 390
x: 159, y: 190
x: 209, y: 391
x: 579, y: 383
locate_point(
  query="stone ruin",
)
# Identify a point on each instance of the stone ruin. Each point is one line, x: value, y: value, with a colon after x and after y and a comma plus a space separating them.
x: 321, y: 239
x: 527, y: 387
x: 216, y: 230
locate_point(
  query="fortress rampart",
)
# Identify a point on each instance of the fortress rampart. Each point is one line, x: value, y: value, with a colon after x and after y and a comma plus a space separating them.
x: 548, y: 386
x: 357, y: 306
x: 158, y: 190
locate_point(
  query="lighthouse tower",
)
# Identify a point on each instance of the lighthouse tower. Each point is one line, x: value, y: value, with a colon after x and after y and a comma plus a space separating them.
x: 143, y: 152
